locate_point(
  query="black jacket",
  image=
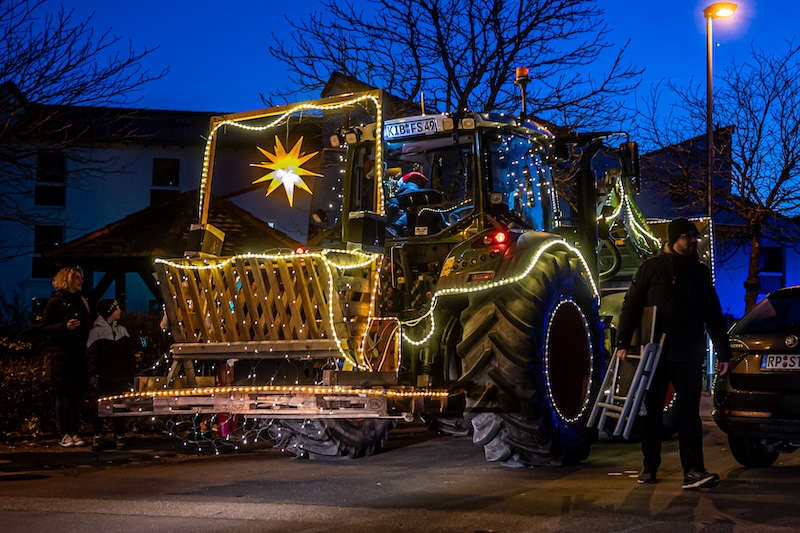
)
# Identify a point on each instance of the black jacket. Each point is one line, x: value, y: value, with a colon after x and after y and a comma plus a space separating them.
x: 65, y: 349
x: 112, y: 364
x: 687, y: 306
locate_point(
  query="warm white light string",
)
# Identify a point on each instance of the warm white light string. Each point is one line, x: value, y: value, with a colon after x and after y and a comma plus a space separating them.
x: 306, y: 389
x: 588, y: 331
x: 301, y: 107
x: 494, y: 284
x: 322, y: 255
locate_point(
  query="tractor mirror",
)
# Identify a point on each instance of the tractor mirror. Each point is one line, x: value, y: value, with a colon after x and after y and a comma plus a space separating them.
x: 629, y: 163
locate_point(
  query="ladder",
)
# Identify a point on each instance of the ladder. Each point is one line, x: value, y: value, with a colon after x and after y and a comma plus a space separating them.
x: 624, y: 403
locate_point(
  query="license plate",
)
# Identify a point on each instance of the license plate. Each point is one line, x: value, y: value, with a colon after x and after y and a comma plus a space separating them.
x: 408, y: 128
x: 780, y: 362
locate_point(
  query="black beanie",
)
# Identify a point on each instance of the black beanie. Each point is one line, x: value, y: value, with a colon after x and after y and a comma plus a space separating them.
x: 106, y: 306
x: 678, y: 227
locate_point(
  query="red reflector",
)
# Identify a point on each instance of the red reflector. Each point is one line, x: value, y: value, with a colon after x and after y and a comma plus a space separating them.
x: 480, y: 276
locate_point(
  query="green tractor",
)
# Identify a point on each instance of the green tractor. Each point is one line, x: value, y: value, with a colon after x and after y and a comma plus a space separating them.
x: 461, y: 284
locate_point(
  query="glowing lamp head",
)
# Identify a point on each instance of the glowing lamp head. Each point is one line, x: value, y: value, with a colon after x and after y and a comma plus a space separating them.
x: 300, y: 250
x: 720, y: 10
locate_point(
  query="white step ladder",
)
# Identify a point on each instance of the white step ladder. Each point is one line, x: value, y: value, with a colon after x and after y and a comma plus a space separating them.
x: 625, y: 405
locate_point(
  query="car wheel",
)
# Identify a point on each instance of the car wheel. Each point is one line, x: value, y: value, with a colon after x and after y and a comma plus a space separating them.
x: 751, y: 452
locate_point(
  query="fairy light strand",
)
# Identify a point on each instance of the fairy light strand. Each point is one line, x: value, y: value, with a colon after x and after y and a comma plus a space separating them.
x: 495, y: 284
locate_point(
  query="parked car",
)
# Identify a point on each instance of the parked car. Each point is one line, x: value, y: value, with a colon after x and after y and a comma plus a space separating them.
x: 758, y: 402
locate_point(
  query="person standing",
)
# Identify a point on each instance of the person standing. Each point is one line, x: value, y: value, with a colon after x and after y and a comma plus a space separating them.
x: 111, y: 354
x: 65, y: 322
x: 687, y: 306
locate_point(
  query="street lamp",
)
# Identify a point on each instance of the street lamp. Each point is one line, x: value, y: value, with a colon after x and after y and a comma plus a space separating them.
x: 714, y: 11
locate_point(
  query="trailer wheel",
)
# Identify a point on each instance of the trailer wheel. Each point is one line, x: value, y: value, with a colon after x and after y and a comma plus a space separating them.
x: 532, y: 358
x: 330, y: 438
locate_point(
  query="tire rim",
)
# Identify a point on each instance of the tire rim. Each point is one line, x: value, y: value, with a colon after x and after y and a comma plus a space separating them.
x: 568, y: 360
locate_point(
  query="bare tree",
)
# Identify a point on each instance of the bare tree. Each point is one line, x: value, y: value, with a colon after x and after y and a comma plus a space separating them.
x: 51, y: 61
x: 462, y: 54
x: 760, y: 101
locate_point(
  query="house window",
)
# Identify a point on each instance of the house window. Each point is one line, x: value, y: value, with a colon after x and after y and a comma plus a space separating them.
x: 165, y: 172
x: 45, y: 237
x: 50, y: 179
x: 771, y: 269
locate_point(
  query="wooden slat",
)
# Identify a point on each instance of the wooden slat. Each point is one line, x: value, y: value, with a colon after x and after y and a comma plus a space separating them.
x: 183, y: 311
x: 252, y: 305
x: 264, y: 299
x: 305, y: 277
x: 319, y: 290
x: 169, y: 304
x: 232, y: 332
x: 289, y: 292
x: 242, y: 324
x: 282, y: 320
x: 201, y: 303
x: 209, y: 295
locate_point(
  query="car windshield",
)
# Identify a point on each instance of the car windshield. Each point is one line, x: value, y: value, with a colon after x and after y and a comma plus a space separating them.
x: 427, y: 184
x: 774, y: 314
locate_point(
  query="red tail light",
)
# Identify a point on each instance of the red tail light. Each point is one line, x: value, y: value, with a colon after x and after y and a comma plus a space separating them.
x: 495, y: 238
x: 300, y: 250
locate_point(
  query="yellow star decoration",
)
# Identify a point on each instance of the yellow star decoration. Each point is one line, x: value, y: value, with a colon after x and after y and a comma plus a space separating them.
x: 287, y: 168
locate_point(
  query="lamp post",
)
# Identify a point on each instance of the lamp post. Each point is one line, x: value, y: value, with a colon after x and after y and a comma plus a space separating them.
x: 714, y: 11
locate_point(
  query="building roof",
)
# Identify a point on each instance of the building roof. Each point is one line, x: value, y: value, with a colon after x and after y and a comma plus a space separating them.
x: 161, y: 231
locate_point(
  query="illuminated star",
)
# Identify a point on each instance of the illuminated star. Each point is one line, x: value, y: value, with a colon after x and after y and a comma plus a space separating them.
x: 287, y: 168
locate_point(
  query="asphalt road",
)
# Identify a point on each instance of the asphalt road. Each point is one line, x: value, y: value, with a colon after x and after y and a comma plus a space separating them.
x: 421, y: 483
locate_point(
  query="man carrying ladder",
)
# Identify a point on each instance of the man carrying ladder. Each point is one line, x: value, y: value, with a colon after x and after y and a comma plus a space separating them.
x: 680, y: 287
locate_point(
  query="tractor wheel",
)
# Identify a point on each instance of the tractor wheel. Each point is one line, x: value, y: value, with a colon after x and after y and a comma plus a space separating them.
x: 532, y: 358
x: 330, y: 438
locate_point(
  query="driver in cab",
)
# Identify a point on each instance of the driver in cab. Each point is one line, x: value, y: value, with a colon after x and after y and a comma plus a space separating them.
x: 410, y: 182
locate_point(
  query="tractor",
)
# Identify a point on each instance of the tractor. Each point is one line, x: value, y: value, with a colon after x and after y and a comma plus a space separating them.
x: 453, y: 274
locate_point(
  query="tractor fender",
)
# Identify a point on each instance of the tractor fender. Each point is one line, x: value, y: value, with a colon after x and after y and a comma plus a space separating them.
x: 470, y: 268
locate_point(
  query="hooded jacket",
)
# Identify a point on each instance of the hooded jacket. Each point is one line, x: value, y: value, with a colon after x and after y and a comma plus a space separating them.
x: 686, y: 303
x: 110, y: 351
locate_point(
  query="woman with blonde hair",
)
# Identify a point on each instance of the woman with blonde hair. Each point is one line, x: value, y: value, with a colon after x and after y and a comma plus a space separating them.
x: 66, y: 322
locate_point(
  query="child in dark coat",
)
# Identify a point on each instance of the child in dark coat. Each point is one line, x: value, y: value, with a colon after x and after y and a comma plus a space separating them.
x: 112, y: 364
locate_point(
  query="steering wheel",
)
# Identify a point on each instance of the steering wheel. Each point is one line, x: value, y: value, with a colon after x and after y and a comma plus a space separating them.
x: 457, y: 215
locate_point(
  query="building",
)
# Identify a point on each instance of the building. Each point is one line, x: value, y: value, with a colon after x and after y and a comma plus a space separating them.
x: 673, y: 184
x: 117, y: 162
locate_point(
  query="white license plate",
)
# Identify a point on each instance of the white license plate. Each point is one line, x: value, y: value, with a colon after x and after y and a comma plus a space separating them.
x: 780, y: 361
x: 408, y: 128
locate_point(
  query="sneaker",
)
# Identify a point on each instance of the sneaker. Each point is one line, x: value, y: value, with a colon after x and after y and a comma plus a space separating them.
x: 695, y: 479
x: 77, y: 441
x: 66, y: 442
x: 646, y: 476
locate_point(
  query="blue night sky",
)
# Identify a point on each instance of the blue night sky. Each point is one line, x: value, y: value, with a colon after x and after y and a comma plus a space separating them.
x: 218, y: 60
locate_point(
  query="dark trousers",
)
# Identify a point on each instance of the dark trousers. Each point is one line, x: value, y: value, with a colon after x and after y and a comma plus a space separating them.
x: 687, y: 379
x: 68, y: 412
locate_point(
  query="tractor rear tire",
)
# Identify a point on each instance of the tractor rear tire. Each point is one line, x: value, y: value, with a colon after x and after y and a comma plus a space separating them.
x: 330, y: 438
x: 532, y: 358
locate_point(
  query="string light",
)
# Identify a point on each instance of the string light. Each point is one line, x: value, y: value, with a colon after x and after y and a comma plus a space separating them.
x: 551, y: 242
x: 362, y: 259
x: 587, y: 330
x: 302, y: 389
x: 285, y: 115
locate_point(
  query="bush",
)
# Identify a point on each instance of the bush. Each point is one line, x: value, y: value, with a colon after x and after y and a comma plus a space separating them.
x: 26, y: 397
